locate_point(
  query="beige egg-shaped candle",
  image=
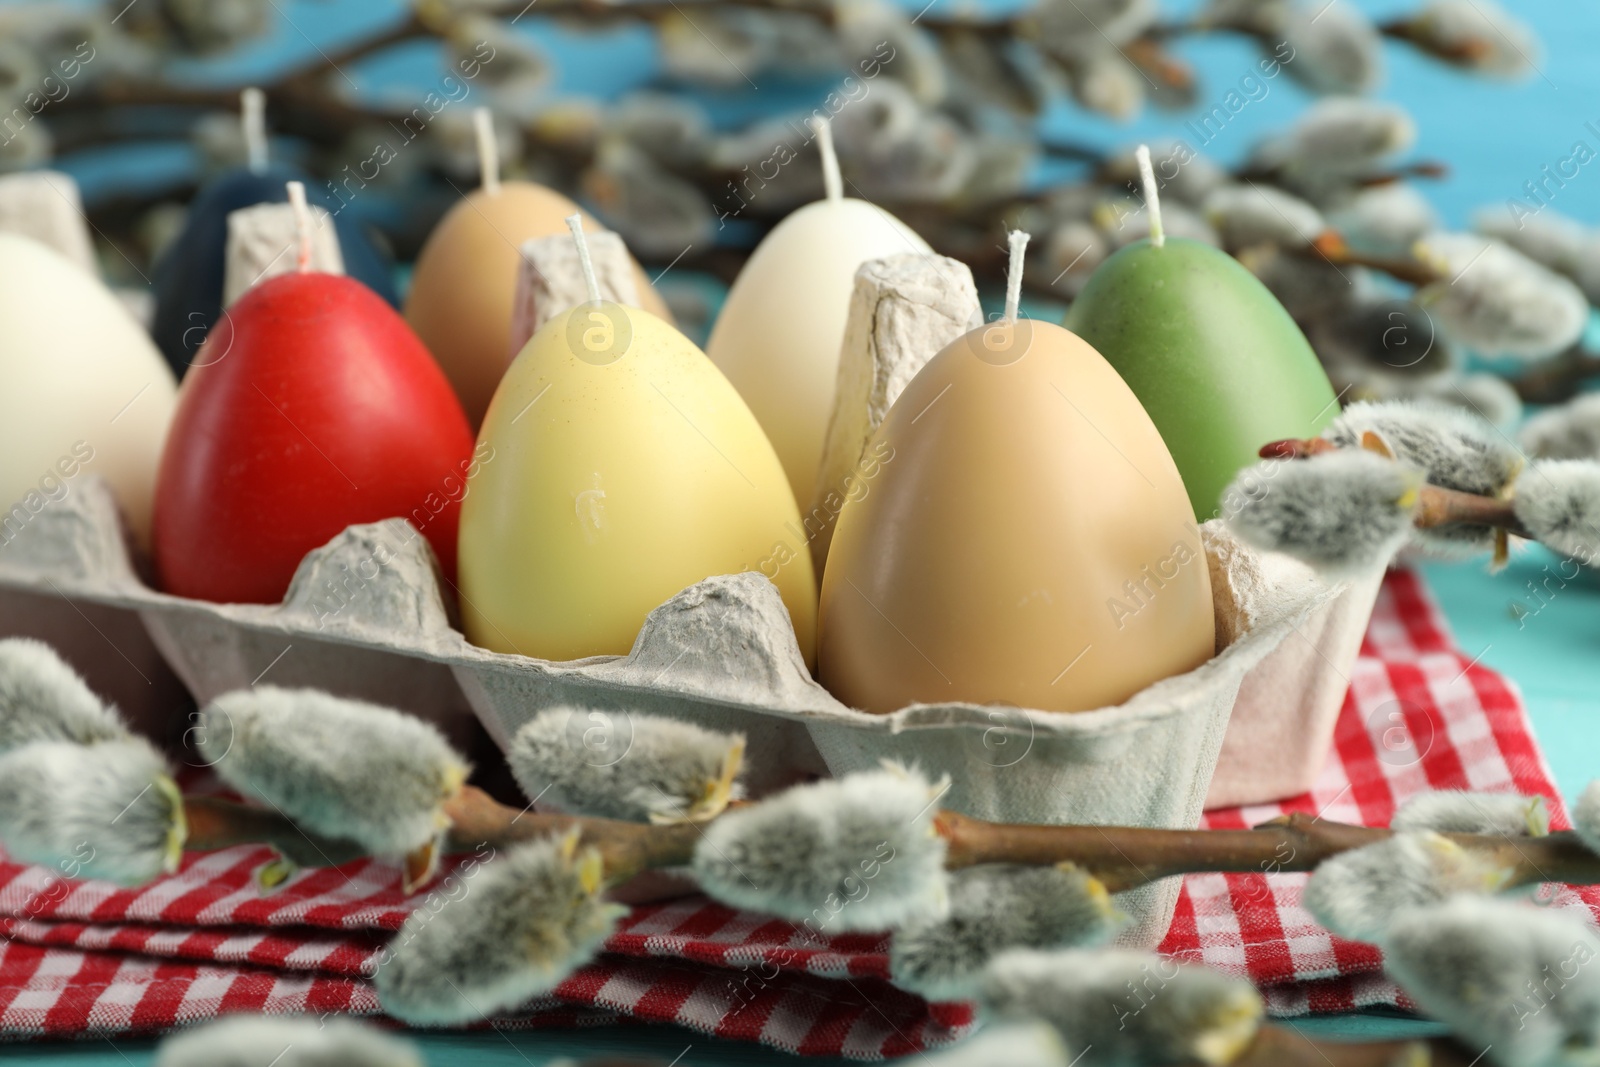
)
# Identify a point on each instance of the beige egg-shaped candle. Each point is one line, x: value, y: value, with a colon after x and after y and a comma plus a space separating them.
x: 779, y: 333
x: 618, y: 467
x: 464, y: 284
x: 86, y: 392
x: 1026, y: 540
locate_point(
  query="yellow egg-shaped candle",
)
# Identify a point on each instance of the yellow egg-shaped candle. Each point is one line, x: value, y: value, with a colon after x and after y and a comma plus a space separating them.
x: 1026, y: 539
x: 465, y: 280
x: 619, y: 467
x: 86, y: 391
x: 779, y: 333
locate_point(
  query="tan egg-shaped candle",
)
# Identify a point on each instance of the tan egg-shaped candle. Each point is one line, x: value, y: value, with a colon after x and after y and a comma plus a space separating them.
x: 617, y: 468
x: 1026, y: 539
x: 86, y: 392
x: 465, y: 280
x: 778, y: 335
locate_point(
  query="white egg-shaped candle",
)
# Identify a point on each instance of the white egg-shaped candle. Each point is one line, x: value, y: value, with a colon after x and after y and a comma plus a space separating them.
x: 780, y: 330
x: 86, y: 391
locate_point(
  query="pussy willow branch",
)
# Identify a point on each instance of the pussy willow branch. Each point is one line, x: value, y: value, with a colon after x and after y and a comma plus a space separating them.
x: 1436, y: 505
x: 1331, y: 247
x: 1122, y: 857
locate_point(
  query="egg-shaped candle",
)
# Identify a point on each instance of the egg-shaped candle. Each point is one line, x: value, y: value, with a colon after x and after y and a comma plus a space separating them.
x: 778, y: 335
x: 188, y: 278
x: 311, y: 407
x: 624, y: 469
x: 464, y: 286
x: 1208, y: 350
x: 85, y: 390
x: 1026, y: 539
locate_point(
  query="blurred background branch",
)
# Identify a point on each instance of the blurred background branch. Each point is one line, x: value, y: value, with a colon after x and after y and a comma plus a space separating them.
x: 959, y: 120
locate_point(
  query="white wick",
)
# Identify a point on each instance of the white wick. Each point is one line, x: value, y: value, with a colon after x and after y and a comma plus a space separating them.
x: 253, y: 108
x: 1152, y: 197
x: 831, y: 181
x: 488, y: 150
x: 1019, y: 245
x: 575, y: 224
x: 302, y: 225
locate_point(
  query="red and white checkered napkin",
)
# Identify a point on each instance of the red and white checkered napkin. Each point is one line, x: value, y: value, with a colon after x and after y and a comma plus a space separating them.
x: 87, y: 958
x: 1420, y: 715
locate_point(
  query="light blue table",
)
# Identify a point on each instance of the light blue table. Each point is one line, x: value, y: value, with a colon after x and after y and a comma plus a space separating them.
x: 1496, y: 138
x: 1553, y: 656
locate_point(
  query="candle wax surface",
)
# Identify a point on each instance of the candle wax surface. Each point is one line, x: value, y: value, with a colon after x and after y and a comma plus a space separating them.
x: 780, y: 331
x: 311, y: 407
x: 1210, y: 353
x: 189, y: 277
x: 87, y: 393
x: 1026, y: 540
x: 625, y: 469
x: 465, y: 283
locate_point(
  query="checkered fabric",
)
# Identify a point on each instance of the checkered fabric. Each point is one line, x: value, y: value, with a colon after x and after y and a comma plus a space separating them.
x: 87, y: 958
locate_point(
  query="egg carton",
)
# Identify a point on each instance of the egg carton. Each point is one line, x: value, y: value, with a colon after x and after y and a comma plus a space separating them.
x: 365, y: 617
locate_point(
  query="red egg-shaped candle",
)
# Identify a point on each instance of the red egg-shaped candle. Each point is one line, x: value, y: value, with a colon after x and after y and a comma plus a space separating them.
x: 311, y: 407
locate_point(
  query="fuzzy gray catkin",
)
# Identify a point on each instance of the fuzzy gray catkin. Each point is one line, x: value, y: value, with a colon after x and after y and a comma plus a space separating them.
x: 1450, y: 811
x: 1586, y: 816
x: 1452, y: 447
x: 1117, y: 1008
x: 1498, y: 302
x: 993, y: 908
x: 108, y: 810
x: 855, y: 853
x: 1357, y: 894
x: 1249, y: 215
x: 1344, y: 513
x: 654, y: 770
x: 1520, y: 982
x: 341, y: 768
x: 1558, y: 500
x: 285, y: 1041
x: 43, y: 699
x: 519, y: 926
x: 1571, y: 431
x: 1011, y: 1044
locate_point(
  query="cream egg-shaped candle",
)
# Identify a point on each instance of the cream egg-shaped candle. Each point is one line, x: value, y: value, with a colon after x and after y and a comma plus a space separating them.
x: 779, y: 333
x: 618, y: 467
x: 463, y: 288
x: 86, y: 392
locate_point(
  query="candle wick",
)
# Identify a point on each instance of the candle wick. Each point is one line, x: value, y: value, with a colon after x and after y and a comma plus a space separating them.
x: 488, y: 150
x: 575, y: 224
x: 831, y: 180
x: 1152, y: 197
x: 253, y: 108
x: 302, y: 225
x: 1019, y: 244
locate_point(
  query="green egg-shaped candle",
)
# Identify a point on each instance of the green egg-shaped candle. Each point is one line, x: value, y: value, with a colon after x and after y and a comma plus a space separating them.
x: 1214, y: 358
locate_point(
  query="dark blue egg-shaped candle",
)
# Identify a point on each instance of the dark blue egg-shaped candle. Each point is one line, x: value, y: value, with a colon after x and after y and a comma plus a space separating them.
x: 189, y: 276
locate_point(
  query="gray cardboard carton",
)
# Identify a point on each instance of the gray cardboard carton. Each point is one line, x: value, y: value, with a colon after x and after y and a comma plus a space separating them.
x: 365, y: 617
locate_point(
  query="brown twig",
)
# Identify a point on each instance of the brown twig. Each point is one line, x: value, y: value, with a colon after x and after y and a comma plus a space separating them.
x: 1469, y: 53
x: 1297, y: 448
x: 1559, y: 379
x: 1127, y: 857
x: 1438, y: 506
x: 1123, y: 857
x: 1331, y: 247
x: 1283, y: 1046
